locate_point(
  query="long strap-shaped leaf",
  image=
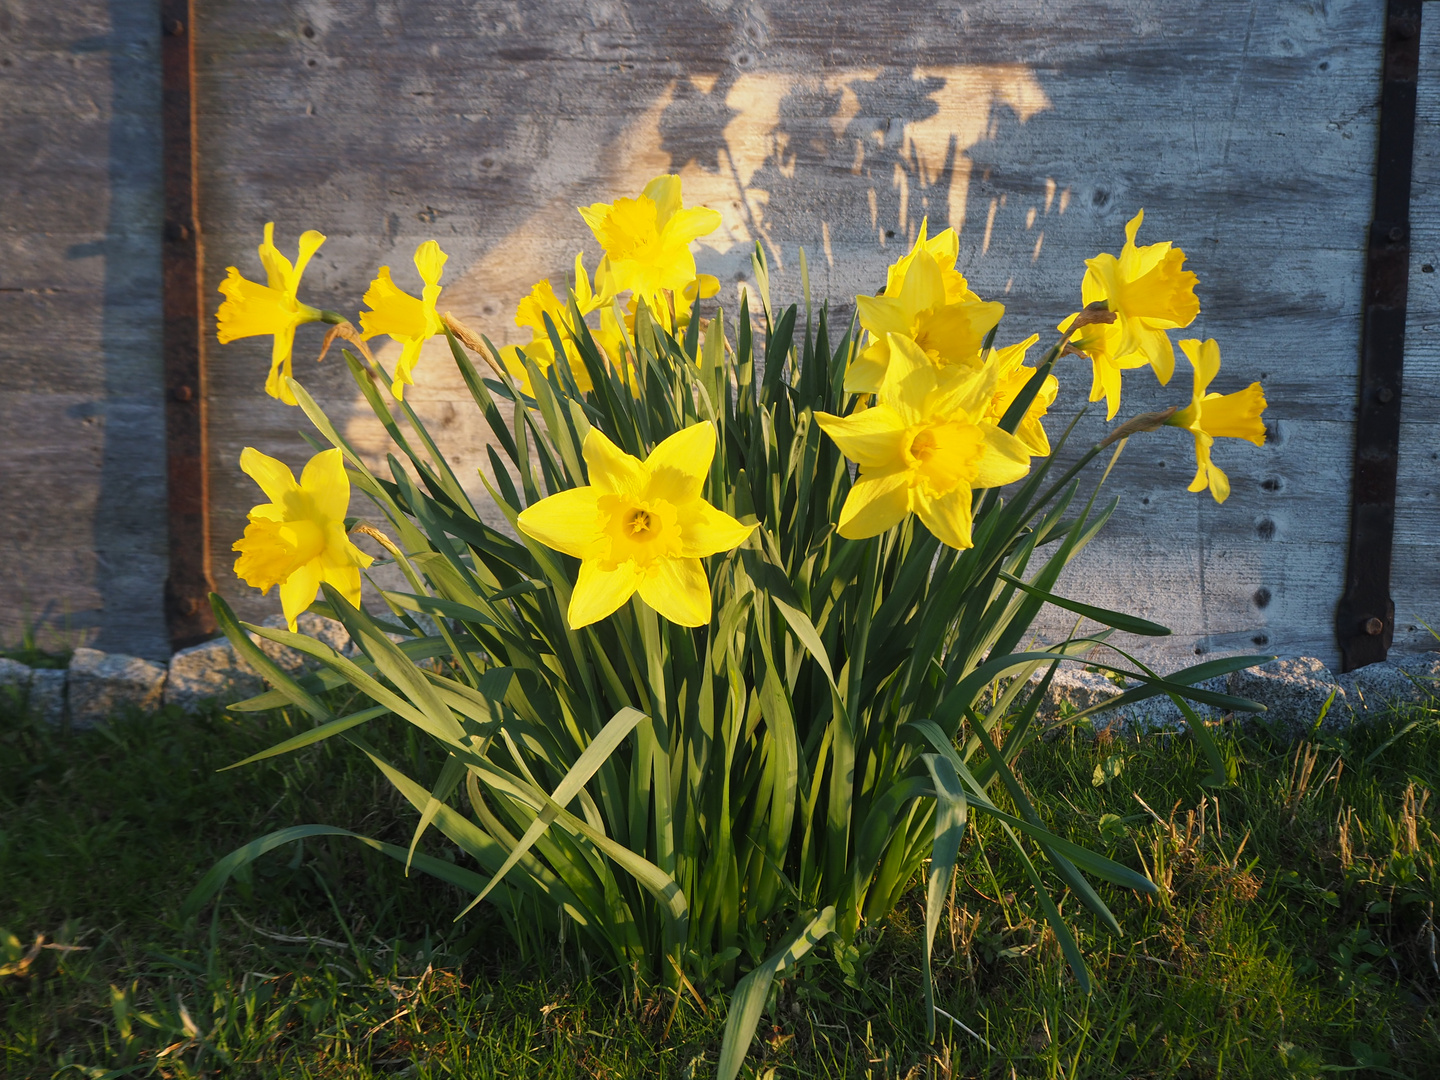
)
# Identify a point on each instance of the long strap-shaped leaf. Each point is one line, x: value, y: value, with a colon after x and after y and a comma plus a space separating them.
x: 951, y: 811
x: 611, y: 735
x: 748, y: 1000
x: 220, y: 873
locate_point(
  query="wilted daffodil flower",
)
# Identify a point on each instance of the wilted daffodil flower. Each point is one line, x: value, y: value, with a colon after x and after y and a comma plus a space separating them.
x: 297, y: 539
x: 1217, y: 416
x: 1149, y: 293
x: 949, y: 332
x: 250, y: 308
x: 923, y: 448
x: 639, y: 525
x: 647, y: 239
x: 404, y: 318
x: 1011, y: 376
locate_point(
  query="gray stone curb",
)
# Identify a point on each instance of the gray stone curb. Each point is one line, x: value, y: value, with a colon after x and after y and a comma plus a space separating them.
x: 97, y: 684
x: 1295, y: 691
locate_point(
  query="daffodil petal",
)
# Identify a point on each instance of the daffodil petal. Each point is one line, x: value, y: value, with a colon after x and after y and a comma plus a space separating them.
x: 909, y: 378
x: 679, y: 465
x: 430, y: 261
x: 691, y: 224
x: 297, y: 592
x: 599, y: 592
x: 344, y: 579
x: 870, y: 438
x: 948, y: 516
x: 567, y: 521
x: 274, y: 476
x: 310, y: 242
x: 874, y: 505
x: 325, y: 481
x: 664, y: 192
x: 611, y: 469
x: 678, y: 590
x: 707, y: 530
x: 1004, y: 459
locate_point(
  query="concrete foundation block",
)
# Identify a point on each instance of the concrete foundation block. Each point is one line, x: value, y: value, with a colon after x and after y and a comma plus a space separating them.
x: 101, y: 684
x: 47, y: 695
x: 208, y: 672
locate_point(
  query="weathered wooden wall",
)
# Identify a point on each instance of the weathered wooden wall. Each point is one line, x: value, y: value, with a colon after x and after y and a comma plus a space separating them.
x: 1246, y: 131
x: 82, y: 445
x: 1415, y: 580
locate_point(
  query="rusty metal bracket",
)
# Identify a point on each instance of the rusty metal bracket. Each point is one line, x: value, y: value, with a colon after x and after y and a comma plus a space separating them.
x: 187, y: 588
x: 1365, y: 617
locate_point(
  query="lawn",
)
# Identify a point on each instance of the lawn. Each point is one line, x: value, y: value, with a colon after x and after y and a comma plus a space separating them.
x: 1293, y: 935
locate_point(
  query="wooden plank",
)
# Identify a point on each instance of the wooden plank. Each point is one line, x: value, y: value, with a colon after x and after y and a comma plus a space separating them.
x: 81, y: 424
x: 1415, y: 582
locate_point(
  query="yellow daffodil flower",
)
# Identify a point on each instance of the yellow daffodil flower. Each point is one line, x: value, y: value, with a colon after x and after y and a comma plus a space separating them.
x: 944, y: 248
x: 647, y: 239
x: 1149, y: 293
x: 542, y: 301
x: 250, y: 308
x: 1011, y: 375
x: 1101, y: 342
x: 923, y: 448
x: 297, y: 539
x: 407, y: 320
x: 639, y: 526
x: 1217, y: 416
x: 920, y: 310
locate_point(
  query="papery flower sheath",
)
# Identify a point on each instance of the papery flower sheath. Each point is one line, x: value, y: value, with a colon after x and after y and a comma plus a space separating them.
x: 923, y: 448
x: 298, y: 539
x: 250, y: 309
x: 1149, y: 293
x: 1217, y: 416
x: 408, y: 320
x: 639, y: 526
x: 647, y: 239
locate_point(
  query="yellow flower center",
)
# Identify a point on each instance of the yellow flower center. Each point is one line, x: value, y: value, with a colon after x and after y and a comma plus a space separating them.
x: 271, y: 551
x: 638, y: 531
x: 641, y: 525
x: 944, y: 455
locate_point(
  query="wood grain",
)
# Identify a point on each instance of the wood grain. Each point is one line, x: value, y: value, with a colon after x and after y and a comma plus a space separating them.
x: 1245, y: 130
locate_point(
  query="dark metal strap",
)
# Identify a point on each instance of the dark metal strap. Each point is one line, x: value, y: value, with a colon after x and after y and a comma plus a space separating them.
x: 187, y: 610
x: 1365, y: 619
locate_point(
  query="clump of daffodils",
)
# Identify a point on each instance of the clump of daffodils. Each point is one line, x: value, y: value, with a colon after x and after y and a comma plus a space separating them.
x: 748, y: 656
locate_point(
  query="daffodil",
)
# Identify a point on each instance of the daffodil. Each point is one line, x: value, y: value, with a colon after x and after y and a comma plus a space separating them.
x: 1102, y: 343
x: 944, y: 248
x: 407, y: 320
x: 919, y: 309
x: 1149, y: 293
x: 1011, y: 376
x: 639, y: 526
x: 530, y: 315
x: 250, y: 308
x: 923, y: 448
x: 297, y: 539
x: 1217, y: 416
x: 647, y: 239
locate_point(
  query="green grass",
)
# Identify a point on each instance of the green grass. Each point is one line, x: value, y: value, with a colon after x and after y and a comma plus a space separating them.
x: 1294, y: 935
